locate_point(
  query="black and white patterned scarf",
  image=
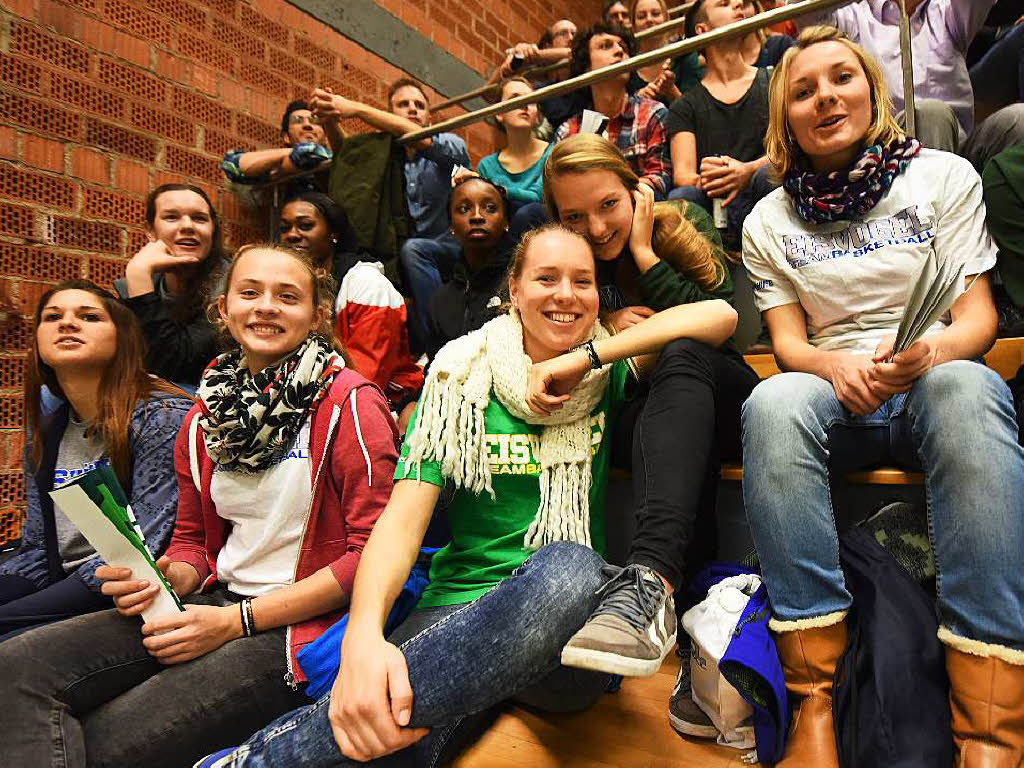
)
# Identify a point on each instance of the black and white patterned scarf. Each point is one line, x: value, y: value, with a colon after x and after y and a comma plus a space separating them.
x: 251, y: 421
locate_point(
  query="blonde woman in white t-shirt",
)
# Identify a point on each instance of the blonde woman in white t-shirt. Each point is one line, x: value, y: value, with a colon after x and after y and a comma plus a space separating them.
x: 831, y: 254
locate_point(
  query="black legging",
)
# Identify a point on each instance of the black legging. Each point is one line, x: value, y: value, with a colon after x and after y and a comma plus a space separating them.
x: 679, y: 426
x: 23, y: 606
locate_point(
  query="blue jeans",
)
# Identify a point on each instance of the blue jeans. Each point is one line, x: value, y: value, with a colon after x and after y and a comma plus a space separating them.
x: 957, y: 424
x: 425, y: 264
x: 998, y: 78
x: 465, y: 659
x: 736, y: 212
x: 86, y: 692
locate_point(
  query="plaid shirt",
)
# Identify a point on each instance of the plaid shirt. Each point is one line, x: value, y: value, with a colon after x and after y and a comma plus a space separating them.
x: 640, y: 134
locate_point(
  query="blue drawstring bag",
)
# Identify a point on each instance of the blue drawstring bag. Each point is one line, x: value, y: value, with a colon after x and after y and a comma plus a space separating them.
x: 321, y: 659
x: 751, y: 663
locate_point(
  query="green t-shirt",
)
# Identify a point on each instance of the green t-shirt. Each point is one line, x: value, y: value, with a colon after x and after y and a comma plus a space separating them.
x: 487, y: 534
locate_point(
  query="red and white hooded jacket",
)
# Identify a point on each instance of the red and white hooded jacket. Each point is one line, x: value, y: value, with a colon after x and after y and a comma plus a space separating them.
x: 353, y: 452
x: 371, y: 321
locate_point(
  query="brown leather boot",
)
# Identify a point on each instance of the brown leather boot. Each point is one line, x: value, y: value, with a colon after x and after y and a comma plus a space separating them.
x: 809, y: 658
x: 986, y: 695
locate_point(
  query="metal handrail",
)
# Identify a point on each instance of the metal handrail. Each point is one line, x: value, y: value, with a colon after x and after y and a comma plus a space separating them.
x: 679, y: 9
x: 907, y: 62
x: 489, y: 89
x: 739, y: 28
x: 666, y: 26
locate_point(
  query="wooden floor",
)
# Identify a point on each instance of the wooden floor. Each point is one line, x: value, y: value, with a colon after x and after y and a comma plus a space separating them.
x: 628, y: 729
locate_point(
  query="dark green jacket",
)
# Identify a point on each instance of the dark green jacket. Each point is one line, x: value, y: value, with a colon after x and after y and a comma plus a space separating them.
x: 368, y: 181
x: 1003, y: 183
x: 662, y: 286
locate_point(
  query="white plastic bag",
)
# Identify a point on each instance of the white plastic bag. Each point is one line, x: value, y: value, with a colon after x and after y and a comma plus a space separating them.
x: 710, y: 625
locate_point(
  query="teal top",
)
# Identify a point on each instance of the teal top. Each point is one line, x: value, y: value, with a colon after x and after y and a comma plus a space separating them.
x: 522, y: 187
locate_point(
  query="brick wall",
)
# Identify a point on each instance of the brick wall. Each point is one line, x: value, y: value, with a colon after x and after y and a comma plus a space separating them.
x: 100, y: 100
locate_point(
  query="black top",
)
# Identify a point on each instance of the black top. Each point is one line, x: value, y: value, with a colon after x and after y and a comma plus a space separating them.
x: 772, y: 49
x: 558, y: 109
x: 467, y: 301
x: 736, y: 130
x: 175, y: 351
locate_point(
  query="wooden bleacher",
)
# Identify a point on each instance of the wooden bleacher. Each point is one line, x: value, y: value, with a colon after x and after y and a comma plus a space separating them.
x: 1004, y: 358
x: 630, y: 729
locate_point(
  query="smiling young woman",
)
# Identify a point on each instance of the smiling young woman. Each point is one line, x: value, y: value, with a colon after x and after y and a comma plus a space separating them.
x: 653, y: 256
x: 88, y: 353
x: 168, y: 282
x: 831, y: 255
x: 515, y: 415
x: 283, y: 467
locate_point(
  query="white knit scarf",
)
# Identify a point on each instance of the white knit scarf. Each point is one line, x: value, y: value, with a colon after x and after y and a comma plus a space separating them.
x: 450, y: 425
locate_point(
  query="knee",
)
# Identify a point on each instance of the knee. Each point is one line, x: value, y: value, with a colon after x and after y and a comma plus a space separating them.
x: 965, y: 392
x: 528, y: 217
x: 19, y: 657
x: 762, y: 182
x: 782, y: 400
x: 934, y: 109
x: 569, y: 570
x: 684, y: 355
x: 690, y: 194
x: 410, y: 254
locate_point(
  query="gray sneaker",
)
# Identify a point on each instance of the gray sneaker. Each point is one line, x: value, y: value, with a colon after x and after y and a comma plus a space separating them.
x: 633, y: 628
x: 683, y: 712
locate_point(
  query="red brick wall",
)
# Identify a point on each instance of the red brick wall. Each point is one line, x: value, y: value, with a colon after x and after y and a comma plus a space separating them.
x: 100, y: 100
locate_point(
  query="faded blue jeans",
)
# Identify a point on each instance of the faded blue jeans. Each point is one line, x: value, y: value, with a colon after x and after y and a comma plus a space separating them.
x: 957, y: 424
x: 463, y: 660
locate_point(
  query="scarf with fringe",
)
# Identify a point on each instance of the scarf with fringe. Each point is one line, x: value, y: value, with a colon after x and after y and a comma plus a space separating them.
x: 450, y: 425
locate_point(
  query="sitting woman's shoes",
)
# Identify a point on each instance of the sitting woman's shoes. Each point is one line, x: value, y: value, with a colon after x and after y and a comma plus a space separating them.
x: 986, y: 696
x: 809, y: 658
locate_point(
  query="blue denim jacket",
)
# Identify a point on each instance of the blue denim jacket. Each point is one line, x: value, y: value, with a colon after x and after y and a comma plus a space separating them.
x: 153, y: 496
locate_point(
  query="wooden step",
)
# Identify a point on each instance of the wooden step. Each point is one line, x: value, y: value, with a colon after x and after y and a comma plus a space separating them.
x: 881, y: 476
x: 628, y: 729
x: 1005, y: 357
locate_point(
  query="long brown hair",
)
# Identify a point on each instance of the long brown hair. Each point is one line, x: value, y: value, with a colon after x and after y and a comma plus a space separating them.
x: 123, y: 384
x: 191, y: 301
x: 675, y: 239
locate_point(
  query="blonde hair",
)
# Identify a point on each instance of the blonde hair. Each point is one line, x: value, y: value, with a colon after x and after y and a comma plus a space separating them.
x: 324, y: 291
x: 675, y: 239
x: 632, y: 11
x: 782, y: 150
